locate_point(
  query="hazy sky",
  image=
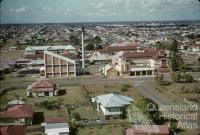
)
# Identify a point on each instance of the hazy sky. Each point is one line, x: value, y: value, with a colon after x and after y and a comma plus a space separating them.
x: 41, y: 11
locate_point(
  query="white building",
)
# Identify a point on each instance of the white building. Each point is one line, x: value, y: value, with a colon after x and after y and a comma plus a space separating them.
x: 30, y: 50
x: 112, y: 105
x: 56, y: 126
x: 99, y: 58
x: 59, y: 66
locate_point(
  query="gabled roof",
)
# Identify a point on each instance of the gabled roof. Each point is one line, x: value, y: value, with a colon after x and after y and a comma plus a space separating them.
x: 149, y: 53
x: 42, y: 85
x: 148, y: 129
x: 113, y: 100
x: 18, y: 111
x: 136, y: 55
x: 60, y: 57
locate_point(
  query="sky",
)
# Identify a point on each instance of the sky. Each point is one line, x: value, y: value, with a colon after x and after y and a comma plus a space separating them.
x: 66, y: 11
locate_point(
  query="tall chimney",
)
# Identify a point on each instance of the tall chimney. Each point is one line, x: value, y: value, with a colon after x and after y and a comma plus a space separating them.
x: 83, y: 53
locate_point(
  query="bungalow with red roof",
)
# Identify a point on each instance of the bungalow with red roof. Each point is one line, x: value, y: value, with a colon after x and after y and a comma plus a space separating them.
x: 42, y: 88
x: 148, y: 130
x: 17, y: 115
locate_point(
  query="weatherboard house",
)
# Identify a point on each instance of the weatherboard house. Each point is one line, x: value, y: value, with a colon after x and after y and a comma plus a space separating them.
x: 42, y: 88
x: 112, y: 105
x: 17, y: 115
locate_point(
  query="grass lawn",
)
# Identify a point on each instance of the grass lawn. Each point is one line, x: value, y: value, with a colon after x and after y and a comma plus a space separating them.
x: 15, y: 54
x: 178, y: 91
x: 73, y: 96
x: 114, y: 129
x: 120, y: 88
x: 35, y: 130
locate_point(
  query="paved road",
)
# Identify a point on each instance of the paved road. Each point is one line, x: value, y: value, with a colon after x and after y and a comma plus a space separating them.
x: 72, y: 81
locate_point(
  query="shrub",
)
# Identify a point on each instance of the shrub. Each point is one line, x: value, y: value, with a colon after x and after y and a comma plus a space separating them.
x: 159, y: 77
x: 125, y: 87
x: 76, y: 116
x: 55, y: 104
x: 182, y: 77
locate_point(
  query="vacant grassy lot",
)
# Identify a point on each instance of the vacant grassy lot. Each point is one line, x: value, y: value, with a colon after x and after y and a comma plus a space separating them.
x: 114, y: 129
x: 119, y: 88
x: 12, y: 54
x: 178, y: 91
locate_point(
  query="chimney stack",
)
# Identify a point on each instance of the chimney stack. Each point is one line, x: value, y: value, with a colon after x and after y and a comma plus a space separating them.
x: 83, y: 53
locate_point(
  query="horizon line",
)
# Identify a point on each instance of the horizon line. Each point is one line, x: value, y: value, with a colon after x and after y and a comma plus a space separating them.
x: 100, y: 22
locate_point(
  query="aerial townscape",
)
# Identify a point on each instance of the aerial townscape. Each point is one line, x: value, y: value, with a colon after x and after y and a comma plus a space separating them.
x: 99, y: 77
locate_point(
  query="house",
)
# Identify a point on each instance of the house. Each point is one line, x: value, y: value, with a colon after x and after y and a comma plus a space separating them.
x: 36, y: 64
x: 99, y: 58
x: 148, y: 130
x: 13, y: 130
x: 6, y: 66
x: 109, y: 71
x: 56, y: 126
x: 112, y: 105
x: 22, y: 62
x: 117, y: 47
x: 42, y: 88
x: 36, y: 52
x: 17, y: 115
x: 60, y: 66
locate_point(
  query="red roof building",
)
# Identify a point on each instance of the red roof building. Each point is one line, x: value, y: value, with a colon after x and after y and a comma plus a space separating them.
x: 149, y: 53
x: 41, y: 88
x: 34, y: 56
x: 128, y: 47
x: 42, y: 85
x: 17, y: 115
x: 148, y: 130
x: 55, y: 120
x: 13, y: 130
x: 18, y: 111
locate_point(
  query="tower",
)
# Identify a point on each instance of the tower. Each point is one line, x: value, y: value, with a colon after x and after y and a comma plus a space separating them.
x: 83, y: 53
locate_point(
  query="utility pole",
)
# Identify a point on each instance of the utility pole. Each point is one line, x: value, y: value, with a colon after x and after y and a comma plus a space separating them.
x: 83, y: 53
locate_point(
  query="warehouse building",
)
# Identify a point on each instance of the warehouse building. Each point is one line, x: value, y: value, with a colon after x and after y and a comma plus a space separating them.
x: 59, y: 66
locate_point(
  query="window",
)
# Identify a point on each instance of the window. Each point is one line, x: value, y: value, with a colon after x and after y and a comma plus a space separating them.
x: 22, y: 120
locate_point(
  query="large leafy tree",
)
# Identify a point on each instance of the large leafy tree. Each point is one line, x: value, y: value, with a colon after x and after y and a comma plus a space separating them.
x: 74, y: 40
x: 90, y: 47
x: 175, y: 56
x: 145, y: 106
x: 96, y: 40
